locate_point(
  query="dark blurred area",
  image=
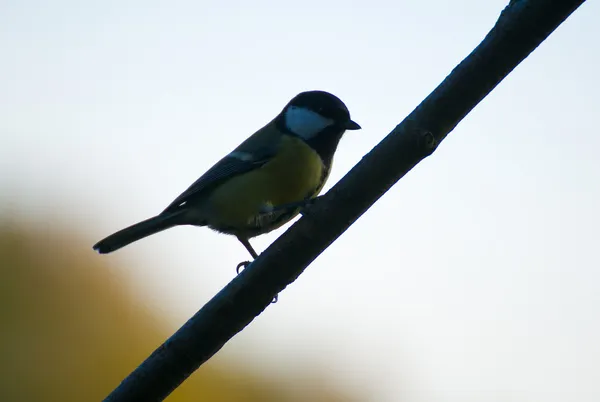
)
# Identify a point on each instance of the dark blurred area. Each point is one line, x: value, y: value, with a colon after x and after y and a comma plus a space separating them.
x: 72, y: 330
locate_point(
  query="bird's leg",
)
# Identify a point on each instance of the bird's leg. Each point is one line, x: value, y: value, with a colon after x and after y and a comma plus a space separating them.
x: 266, y: 211
x: 244, y: 264
x: 303, y: 205
x: 309, y: 203
x: 248, y: 246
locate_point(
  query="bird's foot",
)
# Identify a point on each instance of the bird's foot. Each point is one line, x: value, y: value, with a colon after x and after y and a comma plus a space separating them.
x: 242, y: 266
x: 302, y: 205
x: 305, y: 209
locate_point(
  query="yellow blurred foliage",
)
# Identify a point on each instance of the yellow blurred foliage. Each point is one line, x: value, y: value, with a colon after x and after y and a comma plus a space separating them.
x: 71, y: 330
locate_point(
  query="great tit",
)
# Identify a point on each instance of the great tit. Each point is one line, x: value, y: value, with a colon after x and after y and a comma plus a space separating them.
x: 262, y: 183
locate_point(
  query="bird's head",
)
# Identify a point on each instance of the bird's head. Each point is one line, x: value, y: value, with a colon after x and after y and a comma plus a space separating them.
x: 312, y: 113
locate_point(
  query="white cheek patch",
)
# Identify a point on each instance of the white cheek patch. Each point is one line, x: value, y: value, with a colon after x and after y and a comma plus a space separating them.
x: 304, y: 122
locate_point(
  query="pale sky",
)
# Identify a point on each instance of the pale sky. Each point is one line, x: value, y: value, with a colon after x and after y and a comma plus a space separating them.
x: 474, y: 279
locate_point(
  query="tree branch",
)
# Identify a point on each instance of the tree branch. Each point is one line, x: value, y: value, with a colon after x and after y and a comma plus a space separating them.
x: 522, y: 26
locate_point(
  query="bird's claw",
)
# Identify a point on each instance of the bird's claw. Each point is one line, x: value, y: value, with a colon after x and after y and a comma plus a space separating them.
x: 242, y: 266
x: 308, y: 205
x: 302, y: 206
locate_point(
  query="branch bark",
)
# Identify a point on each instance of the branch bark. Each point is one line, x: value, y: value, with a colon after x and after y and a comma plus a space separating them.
x: 522, y: 26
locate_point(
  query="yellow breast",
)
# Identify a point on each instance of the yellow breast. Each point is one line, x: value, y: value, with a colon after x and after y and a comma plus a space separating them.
x: 295, y: 173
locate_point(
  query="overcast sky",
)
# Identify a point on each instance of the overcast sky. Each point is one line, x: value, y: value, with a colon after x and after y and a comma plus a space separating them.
x: 474, y: 279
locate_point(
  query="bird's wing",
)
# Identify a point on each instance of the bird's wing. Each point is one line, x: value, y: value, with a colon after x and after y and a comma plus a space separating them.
x: 246, y: 157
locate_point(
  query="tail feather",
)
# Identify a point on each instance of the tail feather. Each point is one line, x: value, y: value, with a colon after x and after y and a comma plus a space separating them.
x: 137, y: 231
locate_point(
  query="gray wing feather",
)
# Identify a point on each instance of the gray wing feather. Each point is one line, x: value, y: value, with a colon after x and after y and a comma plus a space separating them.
x: 251, y: 154
x: 226, y: 168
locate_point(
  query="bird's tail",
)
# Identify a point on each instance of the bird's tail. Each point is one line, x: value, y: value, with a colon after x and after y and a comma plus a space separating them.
x: 138, y: 231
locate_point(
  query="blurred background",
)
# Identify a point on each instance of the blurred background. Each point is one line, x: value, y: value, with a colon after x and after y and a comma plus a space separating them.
x: 474, y: 279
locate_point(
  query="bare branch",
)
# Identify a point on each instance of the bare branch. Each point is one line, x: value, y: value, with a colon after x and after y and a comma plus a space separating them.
x: 522, y: 26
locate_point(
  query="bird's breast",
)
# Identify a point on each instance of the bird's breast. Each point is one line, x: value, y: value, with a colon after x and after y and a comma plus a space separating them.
x: 295, y: 173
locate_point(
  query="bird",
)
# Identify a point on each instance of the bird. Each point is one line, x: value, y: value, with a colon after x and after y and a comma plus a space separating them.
x: 263, y: 183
